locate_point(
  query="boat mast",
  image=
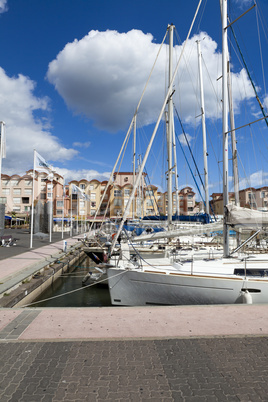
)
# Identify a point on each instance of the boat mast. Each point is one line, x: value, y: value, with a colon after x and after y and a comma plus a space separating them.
x: 175, y: 167
x: 203, y: 117
x: 233, y: 138
x: 225, y: 126
x: 169, y: 132
x: 134, y: 161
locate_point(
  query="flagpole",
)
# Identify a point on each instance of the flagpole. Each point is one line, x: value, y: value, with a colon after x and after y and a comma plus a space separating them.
x: 71, y: 210
x: 1, y: 151
x: 51, y: 209
x: 77, y: 214
x: 32, y: 211
x: 62, y: 209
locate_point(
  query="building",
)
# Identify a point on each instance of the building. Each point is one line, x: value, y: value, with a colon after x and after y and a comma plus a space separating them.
x: 17, y: 191
x: 248, y: 198
x: 16, y: 194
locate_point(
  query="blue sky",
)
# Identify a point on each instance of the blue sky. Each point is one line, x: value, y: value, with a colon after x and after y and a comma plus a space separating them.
x: 72, y: 72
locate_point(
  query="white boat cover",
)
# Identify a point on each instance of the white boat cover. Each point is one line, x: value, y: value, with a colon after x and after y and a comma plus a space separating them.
x: 246, y: 217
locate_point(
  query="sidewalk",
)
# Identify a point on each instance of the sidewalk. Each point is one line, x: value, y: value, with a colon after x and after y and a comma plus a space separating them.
x: 178, y: 353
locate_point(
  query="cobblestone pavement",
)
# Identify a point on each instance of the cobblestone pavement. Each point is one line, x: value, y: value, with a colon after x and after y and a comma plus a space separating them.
x: 200, y: 369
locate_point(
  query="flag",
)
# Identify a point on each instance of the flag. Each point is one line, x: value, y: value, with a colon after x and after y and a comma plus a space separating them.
x: 3, y: 140
x: 77, y: 190
x: 40, y: 164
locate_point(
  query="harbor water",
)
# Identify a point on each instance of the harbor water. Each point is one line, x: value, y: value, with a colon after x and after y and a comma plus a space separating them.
x: 67, y: 290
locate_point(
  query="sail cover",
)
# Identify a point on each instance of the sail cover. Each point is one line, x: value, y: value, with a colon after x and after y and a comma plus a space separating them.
x: 246, y: 217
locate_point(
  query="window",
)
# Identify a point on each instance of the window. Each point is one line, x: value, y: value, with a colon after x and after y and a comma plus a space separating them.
x: 93, y: 204
x: 91, y: 187
x: 6, y: 191
x: 190, y: 196
x: 127, y: 192
x: 190, y: 209
x: 117, y: 193
x: 25, y: 200
x: 93, y: 211
x: 117, y: 202
x: 49, y: 196
x: 3, y: 200
x: 28, y: 183
x: 50, y: 186
x: 81, y: 204
x: 28, y: 191
x: 262, y: 194
x: 16, y: 200
x: 17, y: 191
x: 14, y: 183
x: 27, y: 208
x: 16, y: 209
x: 42, y: 196
x: 149, y: 203
x: 149, y: 193
x: 82, y: 186
x: 93, y: 196
x: 59, y: 204
x: 59, y: 212
x: 5, y: 182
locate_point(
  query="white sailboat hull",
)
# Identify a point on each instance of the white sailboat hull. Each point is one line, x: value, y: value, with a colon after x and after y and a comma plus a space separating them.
x: 162, y: 287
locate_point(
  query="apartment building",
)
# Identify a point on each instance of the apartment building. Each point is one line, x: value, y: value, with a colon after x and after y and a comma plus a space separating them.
x: 248, y: 198
x: 17, y: 192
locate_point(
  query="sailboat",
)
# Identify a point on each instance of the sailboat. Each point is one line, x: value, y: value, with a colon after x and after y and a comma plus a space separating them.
x: 233, y: 278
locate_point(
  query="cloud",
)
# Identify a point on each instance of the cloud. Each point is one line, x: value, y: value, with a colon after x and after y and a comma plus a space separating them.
x: 256, y: 179
x: 102, y: 76
x: 183, y: 140
x: 3, y: 6
x: 70, y: 175
x: 82, y: 144
x: 27, y: 125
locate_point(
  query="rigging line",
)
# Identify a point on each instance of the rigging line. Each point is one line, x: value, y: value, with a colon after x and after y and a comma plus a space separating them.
x: 254, y: 151
x: 258, y: 28
x: 185, y: 136
x: 71, y: 291
x: 156, y: 203
x: 249, y: 75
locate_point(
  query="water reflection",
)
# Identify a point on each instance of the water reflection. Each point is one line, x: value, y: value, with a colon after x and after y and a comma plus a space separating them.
x: 92, y: 296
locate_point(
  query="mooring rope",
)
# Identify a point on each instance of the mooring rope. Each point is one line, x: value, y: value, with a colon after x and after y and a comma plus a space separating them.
x: 71, y: 291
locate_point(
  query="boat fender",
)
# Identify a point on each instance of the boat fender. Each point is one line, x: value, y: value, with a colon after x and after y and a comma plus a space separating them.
x: 246, y: 297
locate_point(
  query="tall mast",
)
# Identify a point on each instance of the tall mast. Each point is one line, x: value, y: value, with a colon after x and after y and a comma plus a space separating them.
x: 233, y: 138
x: 203, y: 117
x: 169, y: 133
x: 225, y: 126
x: 175, y: 167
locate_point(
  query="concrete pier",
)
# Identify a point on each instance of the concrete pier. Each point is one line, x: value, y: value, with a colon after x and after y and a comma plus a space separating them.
x: 184, y: 353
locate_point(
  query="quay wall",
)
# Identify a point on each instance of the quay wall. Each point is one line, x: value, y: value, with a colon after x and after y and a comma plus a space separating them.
x: 27, y: 291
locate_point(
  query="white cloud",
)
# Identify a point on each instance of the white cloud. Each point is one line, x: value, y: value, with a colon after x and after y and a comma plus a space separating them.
x: 256, y: 179
x: 102, y: 76
x: 82, y: 174
x: 24, y: 131
x: 81, y: 144
x: 183, y: 140
x: 3, y: 6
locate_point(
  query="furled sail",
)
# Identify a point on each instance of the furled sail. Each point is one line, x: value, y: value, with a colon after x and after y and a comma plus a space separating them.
x: 245, y: 217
